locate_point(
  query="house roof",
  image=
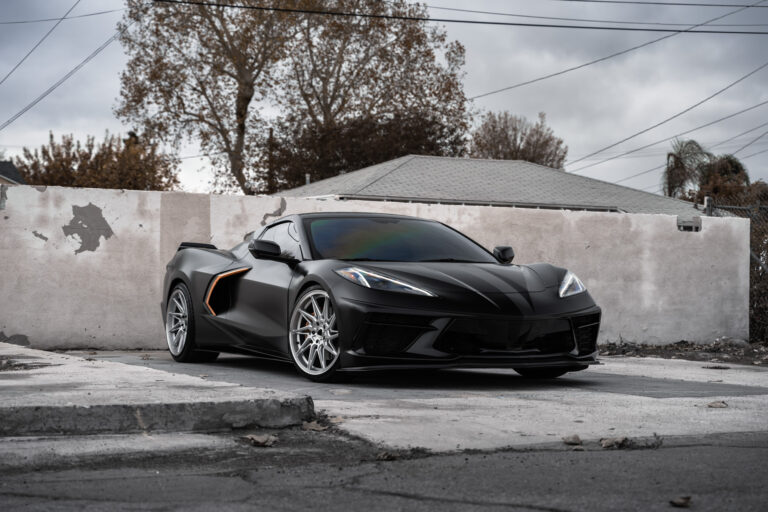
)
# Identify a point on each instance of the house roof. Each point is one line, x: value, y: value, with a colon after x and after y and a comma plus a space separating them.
x: 9, y: 172
x: 497, y: 182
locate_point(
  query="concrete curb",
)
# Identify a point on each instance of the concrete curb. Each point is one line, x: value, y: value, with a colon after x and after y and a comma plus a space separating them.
x: 171, y: 417
x: 44, y: 393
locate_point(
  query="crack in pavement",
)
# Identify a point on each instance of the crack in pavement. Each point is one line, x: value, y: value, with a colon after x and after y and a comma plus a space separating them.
x: 457, y: 501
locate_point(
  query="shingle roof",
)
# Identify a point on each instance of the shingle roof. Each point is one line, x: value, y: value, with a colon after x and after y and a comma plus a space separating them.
x: 499, y: 182
x: 9, y: 171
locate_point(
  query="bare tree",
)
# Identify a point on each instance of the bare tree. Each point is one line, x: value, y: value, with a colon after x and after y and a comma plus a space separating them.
x: 197, y: 72
x: 340, y: 68
x: 503, y: 136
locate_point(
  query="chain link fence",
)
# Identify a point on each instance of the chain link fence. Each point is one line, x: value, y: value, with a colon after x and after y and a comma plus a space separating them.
x: 758, y: 272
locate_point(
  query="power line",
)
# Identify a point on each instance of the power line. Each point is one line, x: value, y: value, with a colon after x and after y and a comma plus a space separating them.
x: 739, y: 135
x: 674, y: 136
x: 587, y: 20
x: 62, y: 79
x: 448, y: 20
x: 606, y: 57
x: 675, y: 116
x: 745, y: 146
x: 99, y: 13
x: 754, y: 154
x: 38, y: 43
x: 674, y: 4
x: 712, y: 146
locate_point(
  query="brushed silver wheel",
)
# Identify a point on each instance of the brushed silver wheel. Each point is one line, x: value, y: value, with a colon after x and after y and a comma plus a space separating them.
x: 176, y: 322
x: 313, y: 337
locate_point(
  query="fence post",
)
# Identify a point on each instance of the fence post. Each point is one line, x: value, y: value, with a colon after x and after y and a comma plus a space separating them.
x: 709, y: 207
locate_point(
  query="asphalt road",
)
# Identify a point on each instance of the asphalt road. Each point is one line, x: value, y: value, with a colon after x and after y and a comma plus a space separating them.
x: 321, y: 471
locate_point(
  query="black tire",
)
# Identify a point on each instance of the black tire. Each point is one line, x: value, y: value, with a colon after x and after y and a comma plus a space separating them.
x: 320, y: 332
x: 541, y: 373
x: 185, y: 351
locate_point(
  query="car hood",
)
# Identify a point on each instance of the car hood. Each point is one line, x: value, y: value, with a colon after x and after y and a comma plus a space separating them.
x: 478, y: 277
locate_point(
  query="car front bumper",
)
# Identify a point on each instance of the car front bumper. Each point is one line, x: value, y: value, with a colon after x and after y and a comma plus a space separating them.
x: 390, y: 337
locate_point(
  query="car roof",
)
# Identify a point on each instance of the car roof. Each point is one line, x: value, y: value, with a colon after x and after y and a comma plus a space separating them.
x: 314, y: 215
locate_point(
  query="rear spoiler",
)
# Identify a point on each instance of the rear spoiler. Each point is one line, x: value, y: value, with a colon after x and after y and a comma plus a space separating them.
x: 196, y: 245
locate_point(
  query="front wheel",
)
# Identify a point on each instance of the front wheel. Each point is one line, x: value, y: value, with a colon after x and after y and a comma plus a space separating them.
x: 180, y: 328
x: 313, y: 335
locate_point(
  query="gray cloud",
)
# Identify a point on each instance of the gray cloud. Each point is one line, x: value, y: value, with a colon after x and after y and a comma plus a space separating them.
x: 588, y: 108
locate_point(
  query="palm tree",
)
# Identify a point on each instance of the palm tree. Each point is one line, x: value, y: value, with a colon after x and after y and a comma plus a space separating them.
x: 684, y: 166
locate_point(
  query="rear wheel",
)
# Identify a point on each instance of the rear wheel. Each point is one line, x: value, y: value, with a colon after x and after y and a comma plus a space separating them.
x: 541, y: 373
x: 313, y: 335
x: 180, y: 328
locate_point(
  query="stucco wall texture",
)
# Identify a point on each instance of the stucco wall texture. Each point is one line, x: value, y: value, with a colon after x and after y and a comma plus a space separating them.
x: 83, y: 268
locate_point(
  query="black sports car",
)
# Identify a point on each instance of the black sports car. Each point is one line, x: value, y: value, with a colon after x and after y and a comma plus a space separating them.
x: 335, y: 292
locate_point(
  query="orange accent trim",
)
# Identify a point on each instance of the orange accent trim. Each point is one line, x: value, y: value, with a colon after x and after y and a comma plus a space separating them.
x: 216, y: 281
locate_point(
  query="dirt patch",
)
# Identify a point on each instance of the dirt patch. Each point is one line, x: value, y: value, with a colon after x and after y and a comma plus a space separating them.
x: 721, y: 351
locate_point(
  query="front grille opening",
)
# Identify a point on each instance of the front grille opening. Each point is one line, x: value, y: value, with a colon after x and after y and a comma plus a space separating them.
x: 474, y: 337
x: 385, y: 334
x: 586, y: 329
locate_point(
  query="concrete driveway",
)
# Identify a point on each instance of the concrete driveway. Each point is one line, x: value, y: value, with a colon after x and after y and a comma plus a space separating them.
x: 491, y: 409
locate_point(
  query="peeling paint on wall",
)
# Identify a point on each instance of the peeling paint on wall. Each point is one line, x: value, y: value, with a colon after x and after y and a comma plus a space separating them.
x: 40, y: 236
x: 87, y: 225
x: 3, y: 196
x: 276, y: 213
x: 15, y: 339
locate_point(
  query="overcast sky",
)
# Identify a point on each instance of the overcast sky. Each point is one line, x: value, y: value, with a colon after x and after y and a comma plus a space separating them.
x: 589, y: 108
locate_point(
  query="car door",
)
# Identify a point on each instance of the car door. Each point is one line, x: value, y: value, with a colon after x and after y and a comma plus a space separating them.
x: 263, y: 292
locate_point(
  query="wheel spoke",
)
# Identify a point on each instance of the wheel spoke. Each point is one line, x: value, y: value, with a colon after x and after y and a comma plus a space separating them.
x: 311, y: 357
x: 332, y: 335
x: 316, y: 308
x: 325, y: 308
x: 309, y: 318
x: 303, y: 347
x: 321, y: 355
x: 331, y: 350
x: 302, y: 330
x: 332, y: 320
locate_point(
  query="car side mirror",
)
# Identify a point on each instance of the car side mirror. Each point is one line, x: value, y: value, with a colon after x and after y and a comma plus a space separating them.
x: 504, y: 253
x: 264, y: 249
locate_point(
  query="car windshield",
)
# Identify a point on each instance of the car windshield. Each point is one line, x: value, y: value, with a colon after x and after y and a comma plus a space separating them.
x: 390, y: 239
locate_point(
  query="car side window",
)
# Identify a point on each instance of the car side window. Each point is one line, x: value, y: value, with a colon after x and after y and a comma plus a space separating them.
x: 286, y: 236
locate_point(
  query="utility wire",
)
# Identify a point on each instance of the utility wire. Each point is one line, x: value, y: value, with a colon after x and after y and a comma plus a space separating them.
x: 99, y: 13
x: 675, y: 116
x: 62, y: 79
x: 674, y: 4
x: 447, y: 20
x: 674, y: 136
x: 606, y: 57
x: 754, y: 154
x: 587, y: 20
x: 745, y: 146
x: 38, y: 43
x: 712, y: 146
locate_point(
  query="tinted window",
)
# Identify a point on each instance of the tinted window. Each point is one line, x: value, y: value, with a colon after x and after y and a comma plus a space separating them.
x: 287, y: 237
x: 390, y: 239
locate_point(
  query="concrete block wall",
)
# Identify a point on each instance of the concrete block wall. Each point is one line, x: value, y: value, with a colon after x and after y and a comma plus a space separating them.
x: 83, y: 267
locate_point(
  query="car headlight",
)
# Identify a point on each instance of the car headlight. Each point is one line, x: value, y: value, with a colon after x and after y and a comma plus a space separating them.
x: 571, y: 285
x: 376, y: 281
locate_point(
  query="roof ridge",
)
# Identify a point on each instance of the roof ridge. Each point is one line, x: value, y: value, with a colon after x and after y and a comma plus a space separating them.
x: 405, y: 161
x: 563, y: 171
